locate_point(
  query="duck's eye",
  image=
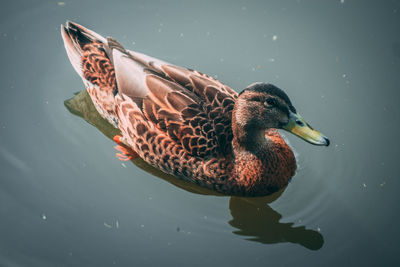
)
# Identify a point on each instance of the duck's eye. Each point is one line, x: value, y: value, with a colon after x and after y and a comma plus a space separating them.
x: 269, y: 102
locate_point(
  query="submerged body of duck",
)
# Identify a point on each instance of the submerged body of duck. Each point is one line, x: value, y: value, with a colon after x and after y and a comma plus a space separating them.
x: 186, y: 123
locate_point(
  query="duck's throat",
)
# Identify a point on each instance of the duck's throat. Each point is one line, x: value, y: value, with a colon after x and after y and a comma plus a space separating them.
x: 250, y: 139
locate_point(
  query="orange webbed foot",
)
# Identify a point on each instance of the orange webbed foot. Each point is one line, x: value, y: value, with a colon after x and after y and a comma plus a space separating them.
x: 126, y: 153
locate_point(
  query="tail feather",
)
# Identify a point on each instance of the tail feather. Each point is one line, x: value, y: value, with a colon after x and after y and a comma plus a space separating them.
x: 75, y: 38
x: 87, y: 52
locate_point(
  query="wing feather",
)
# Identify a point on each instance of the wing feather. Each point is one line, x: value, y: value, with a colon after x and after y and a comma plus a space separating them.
x: 192, y: 108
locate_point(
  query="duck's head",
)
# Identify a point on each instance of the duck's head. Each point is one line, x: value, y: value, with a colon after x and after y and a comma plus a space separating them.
x: 264, y: 106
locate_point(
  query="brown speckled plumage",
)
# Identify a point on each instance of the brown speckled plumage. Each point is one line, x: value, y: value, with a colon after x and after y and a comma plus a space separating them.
x: 179, y: 120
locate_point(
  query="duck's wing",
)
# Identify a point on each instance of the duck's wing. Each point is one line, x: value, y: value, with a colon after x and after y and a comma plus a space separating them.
x: 192, y: 108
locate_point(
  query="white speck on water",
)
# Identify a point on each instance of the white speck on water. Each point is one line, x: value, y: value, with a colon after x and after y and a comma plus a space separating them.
x: 159, y: 30
x: 61, y: 3
x: 344, y: 75
x: 133, y: 43
x: 205, y: 217
x: 123, y: 165
x: 274, y: 38
x: 364, y: 185
x: 150, y: 198
x: 107, y: 225
x: 47, y: 102
x: 342, y: 1
x: 318, y: 229
x: 382, y: 184
x: 44, y: 217
x: 253, y: 69
x: 271, y: 59
x: 142, y: 225
x: 322, y: 96
x: 116, y: 224
x: 181, y: 35
x: 299, y: 220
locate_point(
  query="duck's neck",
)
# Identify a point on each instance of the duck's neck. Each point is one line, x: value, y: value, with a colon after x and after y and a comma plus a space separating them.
x: 249, y: 139
x: 261, y: 165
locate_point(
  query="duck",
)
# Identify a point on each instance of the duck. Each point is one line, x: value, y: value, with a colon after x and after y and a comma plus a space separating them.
x: 188, y: 124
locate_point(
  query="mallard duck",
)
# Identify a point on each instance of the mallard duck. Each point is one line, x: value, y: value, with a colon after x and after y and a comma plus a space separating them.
x: 186, y: 123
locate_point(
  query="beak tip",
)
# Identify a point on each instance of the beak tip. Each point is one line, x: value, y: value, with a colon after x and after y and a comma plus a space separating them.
x: 327, y: 142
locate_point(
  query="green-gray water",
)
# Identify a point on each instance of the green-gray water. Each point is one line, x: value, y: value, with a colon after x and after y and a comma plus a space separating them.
x: 66, y: 200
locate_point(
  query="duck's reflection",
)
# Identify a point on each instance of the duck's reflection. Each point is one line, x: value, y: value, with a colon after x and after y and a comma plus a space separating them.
x: 255, y: 219
x: 252, y: 217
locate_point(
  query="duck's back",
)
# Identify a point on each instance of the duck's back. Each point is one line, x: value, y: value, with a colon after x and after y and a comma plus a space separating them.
x: 175, y: 118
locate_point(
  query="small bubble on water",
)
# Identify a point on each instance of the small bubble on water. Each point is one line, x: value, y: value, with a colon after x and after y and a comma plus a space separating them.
x: 107, y: 225
x: 274, y: 38
x: 364, y: 185
x: 44, y: 217
x: 318, y: 229
x: 382, y: 184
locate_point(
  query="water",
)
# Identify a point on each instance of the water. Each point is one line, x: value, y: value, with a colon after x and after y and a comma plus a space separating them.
x: 67, y: 201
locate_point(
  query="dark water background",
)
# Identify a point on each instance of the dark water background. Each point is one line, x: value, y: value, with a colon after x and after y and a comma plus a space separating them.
x: 65, y: 200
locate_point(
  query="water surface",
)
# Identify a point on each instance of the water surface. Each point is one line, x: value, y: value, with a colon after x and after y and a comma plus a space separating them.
x: 65, y: 199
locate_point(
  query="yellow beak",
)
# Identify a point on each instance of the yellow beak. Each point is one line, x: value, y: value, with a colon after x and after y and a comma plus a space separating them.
x: 298, y: 126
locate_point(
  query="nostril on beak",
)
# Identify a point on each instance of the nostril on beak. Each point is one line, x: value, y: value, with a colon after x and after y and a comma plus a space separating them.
x: 299, y: 122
